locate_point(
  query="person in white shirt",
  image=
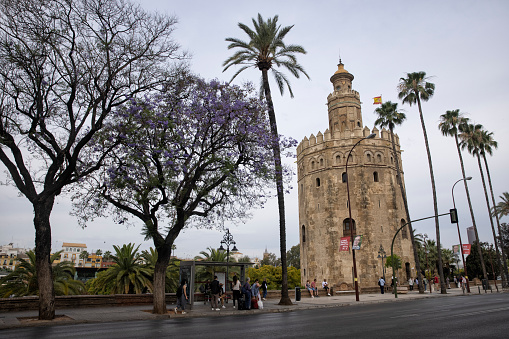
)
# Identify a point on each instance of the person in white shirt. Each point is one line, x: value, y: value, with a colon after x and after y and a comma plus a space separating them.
x: 325, y: 286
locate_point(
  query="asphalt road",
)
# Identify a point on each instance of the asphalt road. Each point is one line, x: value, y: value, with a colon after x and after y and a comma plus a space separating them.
x: 477, y: 316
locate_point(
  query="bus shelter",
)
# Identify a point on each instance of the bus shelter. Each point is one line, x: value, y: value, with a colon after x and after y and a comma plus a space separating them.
x: 188, y: 272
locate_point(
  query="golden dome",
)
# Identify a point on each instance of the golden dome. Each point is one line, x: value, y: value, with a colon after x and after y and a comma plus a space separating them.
x: 341, y: 69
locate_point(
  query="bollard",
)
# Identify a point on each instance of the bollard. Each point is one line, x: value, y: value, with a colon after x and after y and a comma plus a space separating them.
x: 479, y: 288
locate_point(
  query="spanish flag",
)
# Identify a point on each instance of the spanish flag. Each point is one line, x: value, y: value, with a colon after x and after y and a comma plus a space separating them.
x: 378, y: 100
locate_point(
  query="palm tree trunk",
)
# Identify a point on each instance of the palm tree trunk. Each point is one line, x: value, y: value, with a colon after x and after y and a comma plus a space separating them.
x: 285, y: 299
x: 502, y: 262
x: 477, y: 235
x: 443, y: 287
x: 42, y: 211
x: 405, y: 203
x: 469, y: 203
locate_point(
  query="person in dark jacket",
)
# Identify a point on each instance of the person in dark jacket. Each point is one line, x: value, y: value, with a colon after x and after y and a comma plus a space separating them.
x: 214, y: 290
x: 247, y: 291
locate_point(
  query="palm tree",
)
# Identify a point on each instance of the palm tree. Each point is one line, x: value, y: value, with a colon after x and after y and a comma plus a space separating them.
x: 23, y: 280
x: 127, y: 275
x: 99, y: 252
x: 388, y: 116
x: 107, y: 256
x: 207, y: 272
x: 469, y: 135
x: 414, y: 89
x: 264, y: 49
x: 172, y: 271
x: 502, y: 208
x: 488, y: 143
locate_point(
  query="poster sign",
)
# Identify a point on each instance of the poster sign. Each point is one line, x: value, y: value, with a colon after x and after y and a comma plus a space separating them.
x: 455, y: 248
x: 466, y: 248
x: 344, y: 244
x: 357, y: 242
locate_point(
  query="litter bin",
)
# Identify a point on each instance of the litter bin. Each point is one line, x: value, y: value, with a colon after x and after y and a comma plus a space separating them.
x: 297, y: 293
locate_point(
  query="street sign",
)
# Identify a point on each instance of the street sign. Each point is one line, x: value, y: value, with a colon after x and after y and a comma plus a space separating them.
x: 466, y: 248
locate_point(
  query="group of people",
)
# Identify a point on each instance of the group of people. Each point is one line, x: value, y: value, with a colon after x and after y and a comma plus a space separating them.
x: 313, y: 290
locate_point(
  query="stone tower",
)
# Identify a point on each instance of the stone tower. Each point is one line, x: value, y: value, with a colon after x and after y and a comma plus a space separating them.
x: 376, y: 202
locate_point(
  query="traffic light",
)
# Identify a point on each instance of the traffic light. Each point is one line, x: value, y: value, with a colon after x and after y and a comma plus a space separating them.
x: 454, y: 215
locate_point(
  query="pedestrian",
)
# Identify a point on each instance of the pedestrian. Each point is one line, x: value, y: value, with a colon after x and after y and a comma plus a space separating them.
x: 181, y: 297
x: 236, y: 290
x: 456, y: 282
x: 215, y: 288
x: 411, y: 283
x: 463, y: 282
x: 310, y: 290
x: 325, y: 286
x: 425, y: 282
x: 255, y: 290
x: 246, y: 289
x: 313, y: 286
x: 222, y: 295
x: 264, y: 288
x: 381, y: 283
x: 448, y: 281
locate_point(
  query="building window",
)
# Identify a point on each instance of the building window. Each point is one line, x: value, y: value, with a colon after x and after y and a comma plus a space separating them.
x: 321, y: 162
x: 368, y: 156
x: 378, y: 158
x: 358, y: 124
x: 404, y: 230
x: 347, y: 230
x: 317, y: 182
x: 338, y: 159
x: 375, y: 176
x: 350, y: 158
x: 343, y: 177
x: 312, y: 165
x: 303, y: 234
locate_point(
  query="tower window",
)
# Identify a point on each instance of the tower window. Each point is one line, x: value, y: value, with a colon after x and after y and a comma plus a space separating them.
x: 303, y: 233
x: 350, y: 158
x: 338, y: 88
x: 358, y: 124
x: 344, y: 177
x: 347, y: 230
x: 378, y: 158
x: 375, y: 176
x: 338, y: 159
x: 321, y: 162
x: 317, y: 182
x: 368, y: 156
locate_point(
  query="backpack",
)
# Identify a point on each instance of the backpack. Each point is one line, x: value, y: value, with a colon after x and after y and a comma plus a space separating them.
x: 378, y: 282
x: 179, y: 291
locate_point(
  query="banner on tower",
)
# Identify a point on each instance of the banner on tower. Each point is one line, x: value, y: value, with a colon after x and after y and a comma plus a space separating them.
x: 466, y: 248
x: 455, y: 248
x: 377, y: 100
x: 357, y: 242
x: 344, y: 244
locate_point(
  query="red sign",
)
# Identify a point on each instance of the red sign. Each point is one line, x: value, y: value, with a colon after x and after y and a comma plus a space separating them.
x: 466, y: 248
x: 344, y: 244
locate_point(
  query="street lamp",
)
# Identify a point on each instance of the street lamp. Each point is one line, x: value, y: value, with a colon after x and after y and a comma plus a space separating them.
x: 459, y: 234
x: 382, y: 255
x: 350, y: 223
x: 227, y: 241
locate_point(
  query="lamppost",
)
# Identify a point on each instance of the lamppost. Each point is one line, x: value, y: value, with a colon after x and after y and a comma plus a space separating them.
x: 459, y: 234
x: 382, y: 255
x: 350, y: 223
x: 227, y: 241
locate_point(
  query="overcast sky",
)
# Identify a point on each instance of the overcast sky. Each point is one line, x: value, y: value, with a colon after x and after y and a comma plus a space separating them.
x: 462, y: 45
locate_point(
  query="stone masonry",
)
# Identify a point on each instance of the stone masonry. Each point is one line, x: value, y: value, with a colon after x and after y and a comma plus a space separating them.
x: 377, y: 205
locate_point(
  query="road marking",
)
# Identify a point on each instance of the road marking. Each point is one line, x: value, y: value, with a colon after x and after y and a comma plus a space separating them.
x: 405, y: 316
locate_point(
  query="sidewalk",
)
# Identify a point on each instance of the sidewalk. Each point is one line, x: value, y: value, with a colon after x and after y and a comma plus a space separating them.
x: 130, y: 313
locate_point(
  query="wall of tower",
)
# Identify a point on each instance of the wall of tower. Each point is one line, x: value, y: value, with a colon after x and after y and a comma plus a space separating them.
x: 376, y: 202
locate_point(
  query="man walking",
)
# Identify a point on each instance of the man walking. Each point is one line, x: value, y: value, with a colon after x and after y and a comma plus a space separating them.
x: 214, y: 290
x: 264, y: 288
x: 381, y: 283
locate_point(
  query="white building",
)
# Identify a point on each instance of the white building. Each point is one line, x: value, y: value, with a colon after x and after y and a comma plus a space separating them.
x: 71, y: 252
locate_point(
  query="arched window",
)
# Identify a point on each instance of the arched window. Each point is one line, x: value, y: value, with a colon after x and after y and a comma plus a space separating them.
x: 378, y: 158
x: 343, y: 177
x: 404, y: 230
x: 347, y: 230
x: 317, y: 182
x: 368, y: 157
x: 358, y: 124
x: 321, y: 162
x: 303, y: 234
x: 375, y: 176
x: 350, y: 158
x: 338, y: 159
x: 312, y: 165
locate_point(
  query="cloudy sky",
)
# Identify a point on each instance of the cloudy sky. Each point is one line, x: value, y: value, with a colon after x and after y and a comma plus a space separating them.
x: 462, y: 45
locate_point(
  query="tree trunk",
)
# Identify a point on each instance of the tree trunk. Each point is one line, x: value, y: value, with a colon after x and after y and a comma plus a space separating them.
x: 505, y: 274
x: 443, y: 287
x: 483, y: 265
x: 42, y: 211
x: 469, y: 203
x: 163, y: 259
x: 499, y: 259
x: 285, y: 299
x: 405, y: 202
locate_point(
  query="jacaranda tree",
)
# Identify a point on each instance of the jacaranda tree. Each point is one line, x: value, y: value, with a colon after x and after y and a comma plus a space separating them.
x: 64, y: 67
x: 198, y: 154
